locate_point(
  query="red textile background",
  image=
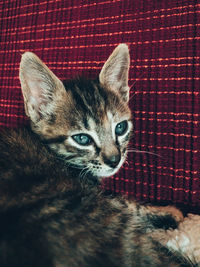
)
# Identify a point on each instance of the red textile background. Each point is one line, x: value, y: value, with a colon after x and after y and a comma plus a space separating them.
x: 76, y: 36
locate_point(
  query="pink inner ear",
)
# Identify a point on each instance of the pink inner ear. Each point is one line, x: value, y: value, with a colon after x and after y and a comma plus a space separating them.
x: 34, y: 88
x: 38, y: 89
x: 36, y: 94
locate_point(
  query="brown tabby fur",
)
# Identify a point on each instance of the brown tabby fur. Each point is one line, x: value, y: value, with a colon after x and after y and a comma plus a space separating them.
x: 51, y: 214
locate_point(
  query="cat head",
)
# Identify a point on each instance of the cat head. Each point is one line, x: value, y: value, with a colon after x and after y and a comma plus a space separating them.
x: 87, y: 122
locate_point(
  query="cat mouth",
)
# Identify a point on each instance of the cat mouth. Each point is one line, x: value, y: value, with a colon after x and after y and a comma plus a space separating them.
x: 105, y: 172
x: 96, y: 169
x: 98, y: 173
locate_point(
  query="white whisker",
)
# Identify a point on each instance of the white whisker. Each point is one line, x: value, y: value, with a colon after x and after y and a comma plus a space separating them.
x: 143, y: 151
x: 83, y: 171
x: 84, y: 174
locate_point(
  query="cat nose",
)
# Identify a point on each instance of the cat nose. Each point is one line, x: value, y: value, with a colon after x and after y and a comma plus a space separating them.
x: 113, y: 160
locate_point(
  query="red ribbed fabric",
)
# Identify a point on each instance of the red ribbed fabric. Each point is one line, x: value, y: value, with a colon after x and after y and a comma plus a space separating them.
x: 75, y: 36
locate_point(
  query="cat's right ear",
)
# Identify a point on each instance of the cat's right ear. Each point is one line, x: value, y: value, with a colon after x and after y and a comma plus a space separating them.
x: 40, y: 87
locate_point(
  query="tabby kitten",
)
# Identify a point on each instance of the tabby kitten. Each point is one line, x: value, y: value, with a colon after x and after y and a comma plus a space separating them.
x: 51, y: 214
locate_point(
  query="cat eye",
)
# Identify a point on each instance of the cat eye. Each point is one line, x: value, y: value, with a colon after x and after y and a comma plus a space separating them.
x: 121, y: 128
x: 82, y: 139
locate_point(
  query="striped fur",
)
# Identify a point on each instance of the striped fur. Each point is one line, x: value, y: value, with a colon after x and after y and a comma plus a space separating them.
x: 51, y: 214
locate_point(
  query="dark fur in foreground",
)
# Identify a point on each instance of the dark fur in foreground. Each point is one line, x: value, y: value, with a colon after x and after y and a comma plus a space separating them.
x: 48, y: 218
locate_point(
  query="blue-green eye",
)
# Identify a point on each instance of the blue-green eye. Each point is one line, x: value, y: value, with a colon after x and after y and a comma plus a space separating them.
x: 121, y: 128
x: 82, y: 139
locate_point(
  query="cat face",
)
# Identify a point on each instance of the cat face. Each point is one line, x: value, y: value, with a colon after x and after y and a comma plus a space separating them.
x: 88, y: 123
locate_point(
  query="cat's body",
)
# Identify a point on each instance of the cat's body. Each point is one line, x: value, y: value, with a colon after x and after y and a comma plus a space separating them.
x: 50, y: 218
x: 51, y: 211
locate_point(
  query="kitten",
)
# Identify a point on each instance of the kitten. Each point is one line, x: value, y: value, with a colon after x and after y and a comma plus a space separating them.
x: 51, y: 214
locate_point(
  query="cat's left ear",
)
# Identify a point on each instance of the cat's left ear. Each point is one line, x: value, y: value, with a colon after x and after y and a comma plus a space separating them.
x: 41, y: 89
x: 114, y: 74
